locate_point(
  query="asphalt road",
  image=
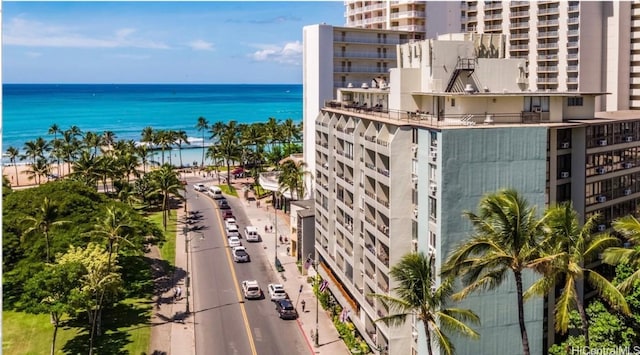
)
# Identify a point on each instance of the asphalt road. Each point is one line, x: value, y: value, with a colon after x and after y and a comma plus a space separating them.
x: 226, y: 323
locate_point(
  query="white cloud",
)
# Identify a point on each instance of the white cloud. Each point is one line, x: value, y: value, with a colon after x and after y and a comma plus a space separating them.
x: 200, y: 45
x: 289, y: 53
x: 21, y: 32
x: 33, y: 54
x: 132, y: 56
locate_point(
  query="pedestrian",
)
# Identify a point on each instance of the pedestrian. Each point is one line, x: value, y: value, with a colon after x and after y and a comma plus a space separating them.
x: 266, y: 229
x: 270, y: 229
x: 175, y: 294
x: 179, y: 293
x: 303, y: 303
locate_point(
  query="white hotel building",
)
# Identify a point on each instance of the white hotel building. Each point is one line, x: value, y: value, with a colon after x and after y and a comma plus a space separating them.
x: 455, y: 122
x: 562, y: 41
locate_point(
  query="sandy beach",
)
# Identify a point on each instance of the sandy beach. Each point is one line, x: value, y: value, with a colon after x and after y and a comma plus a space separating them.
x: 22, y: 179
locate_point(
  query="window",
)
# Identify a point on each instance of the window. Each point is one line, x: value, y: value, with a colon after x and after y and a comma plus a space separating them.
x: 453, y: 102
x: 432, y: 208
x: 575, y: 101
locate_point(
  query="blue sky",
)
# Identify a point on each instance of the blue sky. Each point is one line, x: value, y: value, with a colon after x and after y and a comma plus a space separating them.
x: 158, y: 42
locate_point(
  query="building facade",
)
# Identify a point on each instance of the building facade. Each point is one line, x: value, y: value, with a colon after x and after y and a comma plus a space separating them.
x: 559, y: 39
x: 339, y: 57
x: 395, y: 168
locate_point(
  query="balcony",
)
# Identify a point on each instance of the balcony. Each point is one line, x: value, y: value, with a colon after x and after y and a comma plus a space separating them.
x: 520, y: 14
x: 517, y: 36
x: 407, y: 14
x: 549, y: 11
x: 550, y: 57
x: 572, y: 68
x: 547, y: 46
x: 573, y: 20
x: 548, y: 23
x: 548, y: 69
x: 573, y: 44
x: 519, y: 25
x: 547, y: 81
x: 548, y: 34
x: 493, y: 28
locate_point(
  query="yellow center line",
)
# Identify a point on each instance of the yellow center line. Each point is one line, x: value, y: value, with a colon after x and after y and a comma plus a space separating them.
x: 238, y: 292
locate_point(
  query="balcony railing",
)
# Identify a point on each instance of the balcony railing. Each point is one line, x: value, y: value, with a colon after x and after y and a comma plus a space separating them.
x: 442, y: 120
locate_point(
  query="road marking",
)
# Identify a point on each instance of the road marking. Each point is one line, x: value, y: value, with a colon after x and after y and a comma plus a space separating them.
x: 237, y: 288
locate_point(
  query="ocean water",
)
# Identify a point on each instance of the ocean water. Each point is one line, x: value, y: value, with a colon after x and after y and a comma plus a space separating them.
x: 28, y: 110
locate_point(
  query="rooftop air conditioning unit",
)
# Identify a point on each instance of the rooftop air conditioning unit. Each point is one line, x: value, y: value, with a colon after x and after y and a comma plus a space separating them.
x: 602, y: 142
x: 601, y: 199
x: 414, y: 179
x: 602, y: 227
x: 414, y: 149
x: 601, y: 170
x: 565, y: 145
x: 415, y: 212
x: 627, y: 192
x: 434, y: 155
x: 564, y: 174
x: 627, y: 165
x: 628, y: 139
x: 433, y: 188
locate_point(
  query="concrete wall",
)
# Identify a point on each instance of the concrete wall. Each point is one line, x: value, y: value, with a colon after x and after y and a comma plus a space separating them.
x: 476, y: 162
x: 317, y: 64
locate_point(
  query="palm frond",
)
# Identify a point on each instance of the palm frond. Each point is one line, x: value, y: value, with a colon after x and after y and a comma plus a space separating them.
x: 608, y: 291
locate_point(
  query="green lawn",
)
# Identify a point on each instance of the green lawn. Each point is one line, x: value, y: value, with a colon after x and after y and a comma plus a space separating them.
x: 228, y: 190
x: 129, y: 333
x: 168, y: 248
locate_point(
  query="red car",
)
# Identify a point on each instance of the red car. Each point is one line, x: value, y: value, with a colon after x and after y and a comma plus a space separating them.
x: 227, y: 214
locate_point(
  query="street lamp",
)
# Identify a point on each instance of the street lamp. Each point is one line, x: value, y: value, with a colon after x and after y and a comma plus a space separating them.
x: 317, y: 339
x: 185, y: 230
x: 275, y: 236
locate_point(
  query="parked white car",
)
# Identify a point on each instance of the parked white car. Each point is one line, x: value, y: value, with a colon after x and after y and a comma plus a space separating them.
x: 251, y: 289
x: 234, y: 242
x: 199, y: 187
x: 277, y: 292
x: 240, y: 255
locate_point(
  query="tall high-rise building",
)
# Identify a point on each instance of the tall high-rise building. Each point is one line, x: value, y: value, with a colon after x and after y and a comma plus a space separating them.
x: 395, y: 168
x: 422, y: 19
x: 341, y: 57
x: 562, y: 41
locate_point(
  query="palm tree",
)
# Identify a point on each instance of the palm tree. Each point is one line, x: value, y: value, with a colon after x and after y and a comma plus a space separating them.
x: 37, y: 170
x: 93, y: 141
x: 108, y: 138
x: 181, y: 137
x: 43, y: 221
x: 253, y: 135
x: 507, y: 238
x: 166, y: 182
x: 143, y: 153
x: 86, y: 170
x: 164, y: 139
x: 572, y: 248
x: 229, y: 146
x: 70, y: 146
x: 55, y: 129
x: 13, y: 154
x: 291, y: 178
x: 290, y: 131
x: 273, y: 131
x: 416, y: 295
x: 147, y: 135
x: 36, y: 149
x: 215, y: 154
x: 114, y: 228
x: 629, y: 227
x: 202, y: 126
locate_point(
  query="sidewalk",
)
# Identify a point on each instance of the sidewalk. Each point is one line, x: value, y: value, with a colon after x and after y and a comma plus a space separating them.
x: 172, y: 329
x: 329, y: 341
